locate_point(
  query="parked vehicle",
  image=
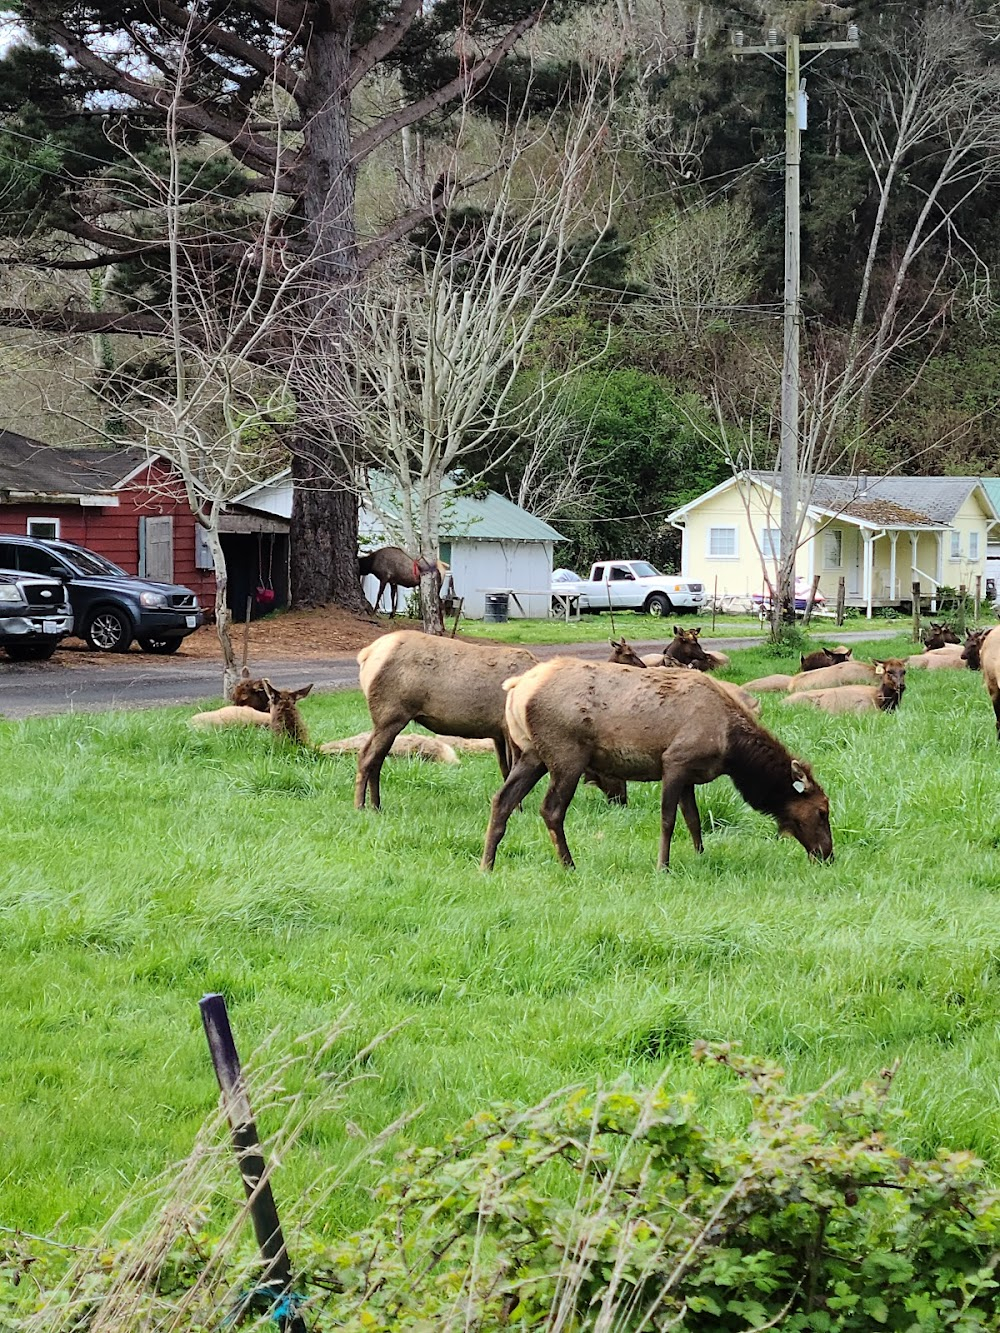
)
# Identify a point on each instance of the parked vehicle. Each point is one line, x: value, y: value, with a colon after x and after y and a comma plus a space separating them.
x: 34, y: 615
x: 634, y: 585
x: 110, y: 607
x: 762, y: 603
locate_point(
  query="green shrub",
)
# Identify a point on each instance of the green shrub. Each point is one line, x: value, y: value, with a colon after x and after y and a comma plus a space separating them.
x: 616, y: 1209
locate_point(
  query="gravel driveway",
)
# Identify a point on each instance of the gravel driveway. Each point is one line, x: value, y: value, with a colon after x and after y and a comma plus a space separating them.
x: 38, y: 689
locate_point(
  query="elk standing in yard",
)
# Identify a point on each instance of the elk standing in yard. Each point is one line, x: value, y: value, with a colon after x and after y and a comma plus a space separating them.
x: 394, y: 569
x: 989, y: 659
x: 674, y: 727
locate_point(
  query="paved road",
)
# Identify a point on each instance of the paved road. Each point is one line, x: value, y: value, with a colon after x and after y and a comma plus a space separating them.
x: 36, y: 689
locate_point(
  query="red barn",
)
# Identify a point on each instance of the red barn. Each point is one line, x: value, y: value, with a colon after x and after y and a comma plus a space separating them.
x: 134, y: 511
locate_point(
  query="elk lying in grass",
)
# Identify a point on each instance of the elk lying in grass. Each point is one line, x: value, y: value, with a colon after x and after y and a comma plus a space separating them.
x: 844, y: 673
x: 432, y: 749
x: 948, y: 658
x: 989, y: 660
x: 885, y: 696
x: 624, y: 654
x: 824, y: 657
x: 232, y: 715
x: 939, y: 636
x: 972, y: 649
x: 674, y: 727
x: 250, y: 693
x: 285, y: 718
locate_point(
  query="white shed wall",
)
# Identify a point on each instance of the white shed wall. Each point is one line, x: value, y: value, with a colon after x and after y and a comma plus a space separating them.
x: 479, y: 566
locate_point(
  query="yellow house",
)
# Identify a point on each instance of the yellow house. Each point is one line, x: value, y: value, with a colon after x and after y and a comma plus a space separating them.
x: 880, y: 534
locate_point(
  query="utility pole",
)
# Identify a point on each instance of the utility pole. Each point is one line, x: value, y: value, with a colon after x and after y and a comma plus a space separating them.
x: 791, y: 398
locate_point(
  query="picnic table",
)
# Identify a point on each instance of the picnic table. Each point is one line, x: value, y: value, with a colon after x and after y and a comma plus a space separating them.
x: 566, y: 599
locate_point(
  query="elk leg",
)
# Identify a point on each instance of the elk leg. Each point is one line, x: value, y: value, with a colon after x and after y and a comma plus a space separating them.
x: 555, y: 803
x: 671, y: 793
x: 371, y: 757
x: 503, y: 757
x: 689, y: 809
x: 523, y: 776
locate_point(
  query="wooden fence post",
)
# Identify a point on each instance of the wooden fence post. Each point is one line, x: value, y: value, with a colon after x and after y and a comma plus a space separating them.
x: 715, y: 600
x: 807, y: 614
x: 916, y: 610
x: 841, y: 598
x: 963, y: 592
x: 263, y: 1211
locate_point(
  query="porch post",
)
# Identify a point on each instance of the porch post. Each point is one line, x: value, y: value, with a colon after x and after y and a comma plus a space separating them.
x: 869, y: 537
x: 914, y: 538
x: 939, y: 571
x: 893, y: 537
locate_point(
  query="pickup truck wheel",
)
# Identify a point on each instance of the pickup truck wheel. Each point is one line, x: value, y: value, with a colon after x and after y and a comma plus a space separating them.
x: 161, y: 646
x: 658, y: 604
x: 109, y: 630
x: 29, y: 652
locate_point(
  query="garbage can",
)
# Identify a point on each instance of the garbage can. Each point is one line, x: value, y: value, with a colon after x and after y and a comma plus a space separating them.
x: 497, y: 608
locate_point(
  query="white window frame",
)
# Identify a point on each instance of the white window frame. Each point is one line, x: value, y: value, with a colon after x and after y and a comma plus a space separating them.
x: 52, y: 522
x: 770, y: 543
x: 956, y: 545
x: 723, y: 527
x: 833, y: 535
x: 974, y: 542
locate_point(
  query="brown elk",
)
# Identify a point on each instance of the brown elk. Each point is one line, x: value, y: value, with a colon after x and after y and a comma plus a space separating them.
x: 824, y: 657
x: 449, y: 686
x: 685, y: 650
x: 886, y: 696
x: 989, y: 659
x: 624, y: 654
x: 285, y: 717
x: 972, y: 648
x: 249, y: 693
x: 948, y: 658
x: 431, y: 749
x: 843, y: 673
x: 395, y: 569
x: 677, y: 728
x: 232, y: 715
x: 939, y: 636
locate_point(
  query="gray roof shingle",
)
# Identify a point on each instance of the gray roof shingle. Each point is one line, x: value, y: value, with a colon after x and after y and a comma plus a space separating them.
x: 929, y: 501
x: 29, y: 467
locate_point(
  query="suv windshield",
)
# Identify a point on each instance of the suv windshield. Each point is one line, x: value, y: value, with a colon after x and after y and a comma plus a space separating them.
x: 644, y: 570
x: 88, y: 562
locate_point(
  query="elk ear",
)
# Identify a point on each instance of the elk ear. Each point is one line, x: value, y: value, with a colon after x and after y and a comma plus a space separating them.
x: 696, y: 632
x: 245, y: 674
x: 880, y: 668
x: 678, y: 632
x: 269, y: 690
x: 800, y: 778
x: 301, y: 694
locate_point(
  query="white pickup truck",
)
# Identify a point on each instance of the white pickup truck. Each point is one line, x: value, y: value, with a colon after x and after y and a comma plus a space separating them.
x: 634, y: 585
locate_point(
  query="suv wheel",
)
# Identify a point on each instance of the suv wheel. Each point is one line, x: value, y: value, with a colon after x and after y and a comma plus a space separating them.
x: 162, y: 646
x: 658, y: 604
x: 29, y: 652
x: 109, y: 631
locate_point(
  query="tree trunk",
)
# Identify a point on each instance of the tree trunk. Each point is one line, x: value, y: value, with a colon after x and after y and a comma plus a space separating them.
x: 323, y: 535
x: 223, y: 615
x: 430, y: 601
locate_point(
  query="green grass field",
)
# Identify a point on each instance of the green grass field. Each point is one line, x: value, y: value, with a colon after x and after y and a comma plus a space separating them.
x: 144, y: 864
x: 593, y: 628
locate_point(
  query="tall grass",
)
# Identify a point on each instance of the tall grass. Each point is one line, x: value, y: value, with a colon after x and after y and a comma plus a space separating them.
x: 145, y: 864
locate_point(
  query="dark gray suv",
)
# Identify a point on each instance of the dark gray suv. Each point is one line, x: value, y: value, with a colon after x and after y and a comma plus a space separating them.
x: 34, y: 616
x: 110, y: 607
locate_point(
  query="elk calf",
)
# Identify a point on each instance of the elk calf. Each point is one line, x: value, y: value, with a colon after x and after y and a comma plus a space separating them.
x: 285, y: 718
x: 677, y: 728
x: 250, y: 693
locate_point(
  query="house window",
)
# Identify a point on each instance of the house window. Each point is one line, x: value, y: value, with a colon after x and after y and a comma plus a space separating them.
x: 833, y: 549
x: 956, y: 546
x: 722, y: 543
x: 770, y: 543
x: 46, y: 528
x: 973, y: 545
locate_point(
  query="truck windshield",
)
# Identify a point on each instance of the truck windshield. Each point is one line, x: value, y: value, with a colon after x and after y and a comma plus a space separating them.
x: 644, y: 570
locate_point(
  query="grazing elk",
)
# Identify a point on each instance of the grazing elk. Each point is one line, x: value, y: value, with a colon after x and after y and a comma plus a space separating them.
x: 395, y: 569
x: 885, y: 696
x: 824, y: 657
x: 624, y: 654
x: 449, y: 686
x: 989, y: 659
x: 677, y: 728
x: 285, y: 717
x: 939, y: 636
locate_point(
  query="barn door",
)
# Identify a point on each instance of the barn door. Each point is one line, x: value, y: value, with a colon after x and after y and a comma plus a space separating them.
x: 156, y: 548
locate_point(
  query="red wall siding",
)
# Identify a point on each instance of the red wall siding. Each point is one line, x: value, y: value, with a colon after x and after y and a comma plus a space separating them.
x: 114, y: 533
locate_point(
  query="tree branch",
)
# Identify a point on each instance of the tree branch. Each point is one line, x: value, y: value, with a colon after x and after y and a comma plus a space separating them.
x: 462, y: 83
x: 228, y: 42
x: 83, y: 321
x: 385, y: 40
